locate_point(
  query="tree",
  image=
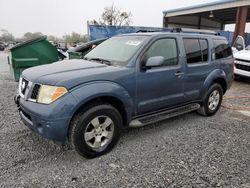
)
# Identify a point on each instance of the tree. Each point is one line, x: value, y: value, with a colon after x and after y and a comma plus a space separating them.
x: 6, y: 36
x: 75, y: 38
x: 53, y: 38
x: 114, y: 16
x: 29, y: 35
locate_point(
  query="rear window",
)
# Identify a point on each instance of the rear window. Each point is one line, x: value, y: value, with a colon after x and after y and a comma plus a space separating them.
x: 204, y: 49
x: 196, y: 50
x: 222, y: 48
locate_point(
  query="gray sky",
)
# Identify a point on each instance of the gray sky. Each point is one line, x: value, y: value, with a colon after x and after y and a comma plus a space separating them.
x: 58, y: 17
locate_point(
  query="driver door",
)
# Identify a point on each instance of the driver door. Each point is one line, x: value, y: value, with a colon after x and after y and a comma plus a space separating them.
x: 160, y: 87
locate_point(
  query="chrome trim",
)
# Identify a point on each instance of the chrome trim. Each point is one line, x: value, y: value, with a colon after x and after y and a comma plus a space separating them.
x: 19, y: 87
x: 25, y: 118
x: 31, y: 100
x: 28, y: 90
x: 242, y: 62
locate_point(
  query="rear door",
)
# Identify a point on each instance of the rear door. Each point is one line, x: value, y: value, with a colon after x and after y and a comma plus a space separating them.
x: 223, y: 56
x: 197, y: 65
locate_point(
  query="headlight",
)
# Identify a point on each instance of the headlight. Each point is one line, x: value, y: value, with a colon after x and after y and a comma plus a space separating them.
x: 48, y: 94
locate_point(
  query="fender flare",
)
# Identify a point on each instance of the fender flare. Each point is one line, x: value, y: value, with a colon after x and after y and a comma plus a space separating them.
x: 215, y: 74
x: 92, y: 90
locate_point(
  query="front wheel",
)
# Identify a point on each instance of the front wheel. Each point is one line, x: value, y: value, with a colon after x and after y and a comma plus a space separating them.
x: 95, y: 131
x: 212, y: 101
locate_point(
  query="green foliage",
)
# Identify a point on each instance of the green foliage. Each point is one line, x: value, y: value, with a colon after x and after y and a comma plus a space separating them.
x: 113, y: 16
x: 53, y: 38
x: 75, y: 38
x: 6, y: 36
x: 29, y: 35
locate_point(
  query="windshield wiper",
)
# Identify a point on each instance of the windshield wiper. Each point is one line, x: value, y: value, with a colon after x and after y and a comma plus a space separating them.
x: 103, y: 61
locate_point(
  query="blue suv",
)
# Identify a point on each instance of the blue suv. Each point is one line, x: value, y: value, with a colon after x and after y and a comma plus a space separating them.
x: 127, y: 81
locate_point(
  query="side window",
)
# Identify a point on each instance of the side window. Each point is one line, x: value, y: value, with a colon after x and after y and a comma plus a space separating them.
x: 204, y: 49
x: 196, y: 50
x: 166, y: 48
x: 222, y: 49
x: 193, y: 51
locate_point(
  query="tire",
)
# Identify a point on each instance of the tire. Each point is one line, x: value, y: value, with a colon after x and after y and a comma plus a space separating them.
x: 95, y: 131
x: 208, y: 108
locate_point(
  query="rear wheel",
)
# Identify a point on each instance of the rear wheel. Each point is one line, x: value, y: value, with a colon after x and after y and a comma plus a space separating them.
x: 95, y: 131
x: 212, y: 101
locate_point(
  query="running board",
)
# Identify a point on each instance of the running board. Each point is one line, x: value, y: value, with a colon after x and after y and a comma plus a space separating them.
x: 152, y: 118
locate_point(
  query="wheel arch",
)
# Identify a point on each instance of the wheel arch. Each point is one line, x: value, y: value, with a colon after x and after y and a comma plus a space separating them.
x: 114, y: 101
x: 103, y: 92
x: 222, y: 82
x: 216, y: 76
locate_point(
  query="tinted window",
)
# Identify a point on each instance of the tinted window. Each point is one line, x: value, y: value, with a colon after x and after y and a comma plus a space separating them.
x: 166, y: 48
x: 193, y: 51
x: 222, y: 49
x: 204, y: 49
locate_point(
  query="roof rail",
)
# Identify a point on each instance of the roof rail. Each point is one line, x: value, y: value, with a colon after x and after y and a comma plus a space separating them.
x: 180, y: 30
x: 157, y: 30
x: 200, y: 31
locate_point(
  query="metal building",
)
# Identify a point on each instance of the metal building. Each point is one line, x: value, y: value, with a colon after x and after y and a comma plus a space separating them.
x: 211, y: 16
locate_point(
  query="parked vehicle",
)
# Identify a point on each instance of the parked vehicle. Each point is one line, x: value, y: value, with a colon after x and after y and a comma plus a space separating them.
x: 242, y: 58
x: 80, y: 51
x: 2, y: 46
x: 127, y: 81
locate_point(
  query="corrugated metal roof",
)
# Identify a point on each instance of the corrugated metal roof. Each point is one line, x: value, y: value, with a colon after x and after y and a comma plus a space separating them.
x: 217, y: 5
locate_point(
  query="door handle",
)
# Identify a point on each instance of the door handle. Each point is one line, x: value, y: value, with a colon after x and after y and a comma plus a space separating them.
x: 179, y: 73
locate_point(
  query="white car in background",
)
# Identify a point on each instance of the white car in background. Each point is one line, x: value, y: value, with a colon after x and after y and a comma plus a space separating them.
x: 242, y: 58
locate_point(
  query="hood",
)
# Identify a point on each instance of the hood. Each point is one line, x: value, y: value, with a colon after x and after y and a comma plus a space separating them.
x: 243, y: 54
x: 69, y: 73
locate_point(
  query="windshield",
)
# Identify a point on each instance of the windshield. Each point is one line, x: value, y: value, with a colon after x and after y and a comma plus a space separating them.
x: 118, y: 50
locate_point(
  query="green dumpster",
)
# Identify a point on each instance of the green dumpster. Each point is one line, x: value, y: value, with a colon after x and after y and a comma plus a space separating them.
x: 74, y: 55
x: 31, y: 53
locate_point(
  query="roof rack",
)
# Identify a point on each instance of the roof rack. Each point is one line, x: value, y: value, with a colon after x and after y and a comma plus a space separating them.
x: 180, y: 30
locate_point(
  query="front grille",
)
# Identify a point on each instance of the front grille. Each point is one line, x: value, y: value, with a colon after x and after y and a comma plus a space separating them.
x: 23, y: 86
x: 35, y: 91
x: 28, y: 90
x: 243, y: 67
x: 243, y: 60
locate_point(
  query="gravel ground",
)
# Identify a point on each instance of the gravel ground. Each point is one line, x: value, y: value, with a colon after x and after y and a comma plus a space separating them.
x: 185, y: 151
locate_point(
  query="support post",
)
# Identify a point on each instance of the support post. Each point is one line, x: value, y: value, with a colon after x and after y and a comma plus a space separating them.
x: 165, y: 21
x: 240, y: 23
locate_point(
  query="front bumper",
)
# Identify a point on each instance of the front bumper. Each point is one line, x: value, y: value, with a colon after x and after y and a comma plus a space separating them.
x: 50, y: 121
x: 242, y: 72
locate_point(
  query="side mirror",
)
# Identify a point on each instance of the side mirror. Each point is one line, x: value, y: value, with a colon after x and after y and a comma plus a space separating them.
x: 239, y: 47
x: 155, y: 61
x: 239, y: 43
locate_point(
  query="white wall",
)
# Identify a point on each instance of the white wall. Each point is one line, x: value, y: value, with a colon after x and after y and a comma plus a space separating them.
x: 230, y: 27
